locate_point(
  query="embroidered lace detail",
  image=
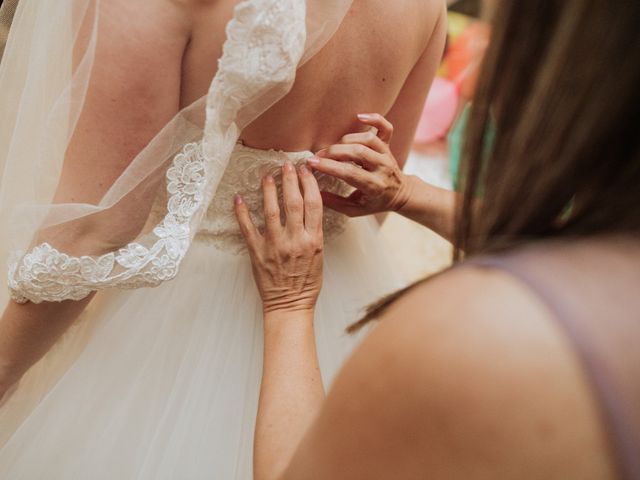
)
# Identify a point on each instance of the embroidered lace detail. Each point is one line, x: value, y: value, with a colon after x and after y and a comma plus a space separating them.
x: 244, y: 175
x: 265, y: 41
x: 50, y: 275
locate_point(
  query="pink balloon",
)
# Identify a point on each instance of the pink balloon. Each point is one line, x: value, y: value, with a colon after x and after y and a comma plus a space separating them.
x: 439, y: 111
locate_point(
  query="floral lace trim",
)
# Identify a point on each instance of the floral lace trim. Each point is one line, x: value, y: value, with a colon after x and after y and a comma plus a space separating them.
x: 265, y: 41
x: 46, y: 274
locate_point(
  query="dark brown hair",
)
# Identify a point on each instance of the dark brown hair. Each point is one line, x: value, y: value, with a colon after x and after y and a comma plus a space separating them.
x: 561, y: 85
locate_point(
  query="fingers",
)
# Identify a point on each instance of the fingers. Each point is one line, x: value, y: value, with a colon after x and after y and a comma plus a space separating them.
x: 368, y: 139
x: 384, y: 126
x: 342, y: 205
x: 355, y: 176
x: 270, y: 205
x: 312, y: 201
x: 247, y: 227
x: 292, y: 198
x: 356, y: 153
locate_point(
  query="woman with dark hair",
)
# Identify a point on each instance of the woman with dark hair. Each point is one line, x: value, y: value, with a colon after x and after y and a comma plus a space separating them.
x: 521, y: 361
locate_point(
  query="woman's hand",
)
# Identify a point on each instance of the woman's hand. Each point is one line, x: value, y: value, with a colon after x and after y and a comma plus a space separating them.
x: 364, y: 161
x: 287, y: 259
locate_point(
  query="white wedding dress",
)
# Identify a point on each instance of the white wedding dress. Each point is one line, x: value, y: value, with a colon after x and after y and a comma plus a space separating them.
x: 163, y: 383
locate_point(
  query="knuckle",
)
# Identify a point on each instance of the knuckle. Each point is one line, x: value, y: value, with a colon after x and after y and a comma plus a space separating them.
x: 295, y: 205
x: 375, y: 185
x: 295, y: 251
x: 370, y: 136
x: 349, y: 170
x: 311, y: 244
x: 271, y: 216
x: 318, y: 243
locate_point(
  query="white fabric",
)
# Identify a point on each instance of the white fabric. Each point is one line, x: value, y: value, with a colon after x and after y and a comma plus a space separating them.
x: 156, y: 383
x: 162, y: 383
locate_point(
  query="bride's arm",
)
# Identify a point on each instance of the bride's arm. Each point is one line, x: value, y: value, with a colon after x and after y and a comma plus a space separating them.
x: 407, y: 109
x: 133, y: 92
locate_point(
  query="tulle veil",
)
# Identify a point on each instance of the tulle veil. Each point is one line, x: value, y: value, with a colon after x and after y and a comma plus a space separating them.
x: 45, y: 76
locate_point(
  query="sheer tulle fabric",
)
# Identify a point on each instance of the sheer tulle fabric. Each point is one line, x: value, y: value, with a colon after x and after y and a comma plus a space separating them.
x: 44, y: 79
x: 163, y: 383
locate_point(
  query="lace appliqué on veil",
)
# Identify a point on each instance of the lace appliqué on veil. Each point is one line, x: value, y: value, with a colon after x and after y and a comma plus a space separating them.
x: 50, y: 275
x: 265, y: 41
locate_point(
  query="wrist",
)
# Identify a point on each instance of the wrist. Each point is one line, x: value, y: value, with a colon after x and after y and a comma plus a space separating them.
x: 407, y: 194
x: 288, y: 324
x: 287, y: 315
x: 427, y: 204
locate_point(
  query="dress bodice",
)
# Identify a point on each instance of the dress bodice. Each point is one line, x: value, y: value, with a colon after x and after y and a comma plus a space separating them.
x: 244, y: 174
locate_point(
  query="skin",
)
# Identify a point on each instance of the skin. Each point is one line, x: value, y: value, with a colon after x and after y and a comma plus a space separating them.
x: 487, y: 387
x: 288, y: 305
x: 134, y: 92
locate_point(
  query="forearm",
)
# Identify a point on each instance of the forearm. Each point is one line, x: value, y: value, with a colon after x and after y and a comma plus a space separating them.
x: 291, y: 392
x: 28, y: 331
x: 430, y: 206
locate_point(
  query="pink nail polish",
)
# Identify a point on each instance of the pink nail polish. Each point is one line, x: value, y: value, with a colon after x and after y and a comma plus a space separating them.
x: 238, y: 199
x: 268, y: 179
x: 365, y: 116
x: 304, y: 170
x: 313, y: 160
x: 288, y: 166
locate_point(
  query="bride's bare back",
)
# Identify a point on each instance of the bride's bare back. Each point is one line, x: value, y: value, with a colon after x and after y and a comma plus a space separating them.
x: 155, y: 57
x: 384, y: 55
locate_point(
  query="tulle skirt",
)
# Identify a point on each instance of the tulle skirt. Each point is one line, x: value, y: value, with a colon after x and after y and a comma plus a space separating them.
x: 163, y: 383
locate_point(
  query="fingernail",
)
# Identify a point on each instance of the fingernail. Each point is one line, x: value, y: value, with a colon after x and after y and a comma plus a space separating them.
x: 313, y: 160
x: 268, y: 179
x: 288, y: 166
x: 304, y: 170
x: 237, y: 199
x: 365, y: 116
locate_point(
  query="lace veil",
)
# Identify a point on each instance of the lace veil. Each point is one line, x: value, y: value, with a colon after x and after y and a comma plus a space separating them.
x: 136, y: 232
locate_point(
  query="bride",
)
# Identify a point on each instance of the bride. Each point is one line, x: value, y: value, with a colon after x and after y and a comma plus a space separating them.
x: 126, y: 130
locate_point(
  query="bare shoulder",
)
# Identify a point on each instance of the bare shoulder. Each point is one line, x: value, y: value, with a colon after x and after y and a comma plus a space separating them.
x: 496, y: 385
x: 467, y: 376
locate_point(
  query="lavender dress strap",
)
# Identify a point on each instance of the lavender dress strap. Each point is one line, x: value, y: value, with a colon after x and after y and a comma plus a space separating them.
x: 593, y: 290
